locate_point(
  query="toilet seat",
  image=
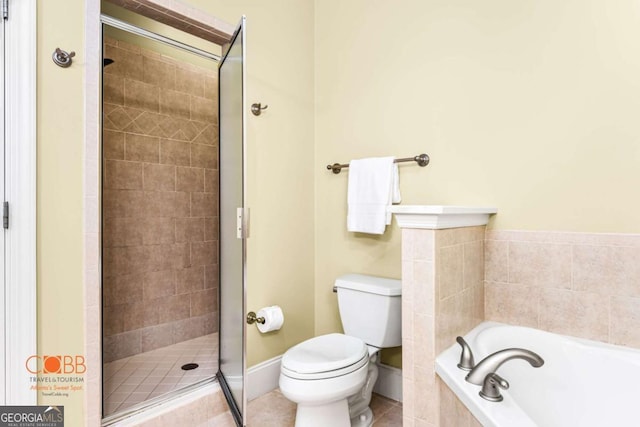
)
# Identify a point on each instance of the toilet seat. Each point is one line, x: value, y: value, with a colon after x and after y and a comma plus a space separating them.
x: 325, y: 375
x: 326, y: 356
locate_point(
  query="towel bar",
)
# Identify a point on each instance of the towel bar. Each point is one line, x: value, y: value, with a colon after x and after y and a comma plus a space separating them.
x: 421, y: 159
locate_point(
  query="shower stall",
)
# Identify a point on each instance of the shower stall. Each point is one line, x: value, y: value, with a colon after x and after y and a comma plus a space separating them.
x: 172, y: 187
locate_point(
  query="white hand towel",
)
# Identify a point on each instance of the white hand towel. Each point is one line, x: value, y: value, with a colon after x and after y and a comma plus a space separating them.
x: 373, y: 186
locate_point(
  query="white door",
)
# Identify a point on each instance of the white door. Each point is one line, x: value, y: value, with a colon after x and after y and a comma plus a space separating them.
x: 3, y: 341
x: 17, y: 188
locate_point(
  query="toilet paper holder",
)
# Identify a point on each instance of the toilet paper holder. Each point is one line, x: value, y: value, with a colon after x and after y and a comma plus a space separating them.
x: 253, y: 318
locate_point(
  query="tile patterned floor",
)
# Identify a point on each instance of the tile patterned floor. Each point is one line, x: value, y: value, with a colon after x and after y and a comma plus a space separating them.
x: 134, y: 379
x: 274, y: 410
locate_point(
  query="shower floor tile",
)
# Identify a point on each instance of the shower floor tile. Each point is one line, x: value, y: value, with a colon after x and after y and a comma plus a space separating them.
x: 275, y: 410
x: 144, y: 376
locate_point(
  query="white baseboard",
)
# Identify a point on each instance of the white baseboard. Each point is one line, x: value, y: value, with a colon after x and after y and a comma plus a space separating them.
x: 389, y: 382
x: 263, y: 378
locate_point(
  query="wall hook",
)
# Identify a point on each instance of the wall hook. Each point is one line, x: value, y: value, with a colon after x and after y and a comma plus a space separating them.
x: 62, y: 58
x: 256, y: 108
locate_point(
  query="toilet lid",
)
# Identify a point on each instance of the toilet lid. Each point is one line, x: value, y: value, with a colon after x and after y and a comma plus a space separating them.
x: 324, y: 353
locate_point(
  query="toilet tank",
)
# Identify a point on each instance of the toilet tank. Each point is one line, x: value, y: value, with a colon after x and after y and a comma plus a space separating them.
x: 370, y: 308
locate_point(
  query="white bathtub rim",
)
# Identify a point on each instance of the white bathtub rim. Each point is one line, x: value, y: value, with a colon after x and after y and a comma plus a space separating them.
x: 507, y: 411
x: 489, y: 414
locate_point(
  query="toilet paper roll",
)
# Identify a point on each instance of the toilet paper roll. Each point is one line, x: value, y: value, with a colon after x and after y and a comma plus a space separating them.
x: 273, y: 318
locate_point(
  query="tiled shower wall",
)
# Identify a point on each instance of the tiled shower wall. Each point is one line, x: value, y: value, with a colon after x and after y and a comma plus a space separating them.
x: 581, y: 284
x: 160, y: 201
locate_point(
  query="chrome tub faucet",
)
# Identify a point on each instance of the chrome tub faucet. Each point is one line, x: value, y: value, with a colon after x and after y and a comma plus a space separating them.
x: 491, y: 363
x: 491, y: 387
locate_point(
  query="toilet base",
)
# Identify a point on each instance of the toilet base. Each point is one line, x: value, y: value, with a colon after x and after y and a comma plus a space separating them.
x: 359, y: 410
x: 364, y: 420
x: 334, y: 414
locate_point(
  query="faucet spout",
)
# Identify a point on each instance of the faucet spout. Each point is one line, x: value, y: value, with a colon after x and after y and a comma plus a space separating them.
x: 492, y: 362
x: 466, y: 357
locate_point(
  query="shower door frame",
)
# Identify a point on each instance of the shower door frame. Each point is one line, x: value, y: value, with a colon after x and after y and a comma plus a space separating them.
x: 91, y: 206
x: 242, y: 229
x: 138, y: 31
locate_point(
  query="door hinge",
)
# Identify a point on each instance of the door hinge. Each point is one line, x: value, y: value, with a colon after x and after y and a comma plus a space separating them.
x: 5, y: 9
x: 242, y: 223
x: 5, y: 215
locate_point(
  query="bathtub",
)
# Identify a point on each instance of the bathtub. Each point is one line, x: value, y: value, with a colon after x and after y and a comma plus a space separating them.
x: 582, y: 383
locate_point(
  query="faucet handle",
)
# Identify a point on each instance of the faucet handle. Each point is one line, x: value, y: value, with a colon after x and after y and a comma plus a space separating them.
x: 491, y: 387
x: 466, y: 357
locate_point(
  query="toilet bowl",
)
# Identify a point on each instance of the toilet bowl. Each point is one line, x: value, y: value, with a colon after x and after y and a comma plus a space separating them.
x: 331, y: 377
x: 320, y: 374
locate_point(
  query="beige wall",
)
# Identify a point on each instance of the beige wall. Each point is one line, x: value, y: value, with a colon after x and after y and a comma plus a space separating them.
x: 59, y: 186
x: 529, y: 106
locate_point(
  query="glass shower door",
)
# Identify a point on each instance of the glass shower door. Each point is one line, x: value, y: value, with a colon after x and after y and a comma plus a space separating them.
x: 233, y: 230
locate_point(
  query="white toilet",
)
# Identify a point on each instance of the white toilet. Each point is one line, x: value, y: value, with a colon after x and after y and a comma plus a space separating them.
x: 331, y: 377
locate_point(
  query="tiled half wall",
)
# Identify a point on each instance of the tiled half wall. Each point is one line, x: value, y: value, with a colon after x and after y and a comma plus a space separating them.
x: 442, y: 297
x: 160, y: 201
